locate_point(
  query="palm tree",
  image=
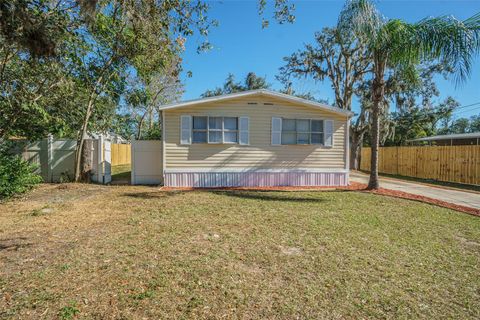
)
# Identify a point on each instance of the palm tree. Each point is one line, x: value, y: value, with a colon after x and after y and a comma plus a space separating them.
x: 396, y: 43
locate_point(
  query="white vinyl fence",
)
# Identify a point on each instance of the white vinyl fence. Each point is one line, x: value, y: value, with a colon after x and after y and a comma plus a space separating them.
x: 55, y: 158
x: 102, y: 168
x: 147, y: 162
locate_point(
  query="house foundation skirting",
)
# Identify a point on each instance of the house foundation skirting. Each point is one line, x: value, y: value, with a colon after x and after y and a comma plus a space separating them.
x: 212, y: 179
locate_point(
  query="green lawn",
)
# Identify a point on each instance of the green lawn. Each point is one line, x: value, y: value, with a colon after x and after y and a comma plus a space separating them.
x: 87, y: 251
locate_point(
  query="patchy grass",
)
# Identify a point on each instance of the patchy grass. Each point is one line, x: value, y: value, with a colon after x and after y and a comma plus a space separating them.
x: 136, y: 252
x: 68, y: 312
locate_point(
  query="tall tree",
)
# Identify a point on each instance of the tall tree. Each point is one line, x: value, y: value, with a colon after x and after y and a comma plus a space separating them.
x: 119, y: 37
x: 460, y: 125
x: 417, y: 122
x: 410, y: 99
x: 396, y: 42
x: 125, y: 36
x: 145, y: 95
x: 342, y: 60
x: 251, y: 82
x: 288, y: 89
x: 30, y: 24
x: 475, y: 123
x: 36, y: 89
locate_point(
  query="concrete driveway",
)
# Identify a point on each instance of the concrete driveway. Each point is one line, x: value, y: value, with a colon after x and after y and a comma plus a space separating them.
x: 455, y: 196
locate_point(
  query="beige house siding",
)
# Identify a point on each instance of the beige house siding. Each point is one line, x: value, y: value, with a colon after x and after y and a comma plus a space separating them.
x: 260, y: 153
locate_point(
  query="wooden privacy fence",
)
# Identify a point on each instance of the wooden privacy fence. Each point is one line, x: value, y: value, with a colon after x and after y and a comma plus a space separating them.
x: 121, y: 154
x: 459, y: 164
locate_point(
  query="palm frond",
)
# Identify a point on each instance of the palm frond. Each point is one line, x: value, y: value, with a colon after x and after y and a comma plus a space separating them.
x: 360, y: 18
x: 396, y: 40
x: 455, y: 41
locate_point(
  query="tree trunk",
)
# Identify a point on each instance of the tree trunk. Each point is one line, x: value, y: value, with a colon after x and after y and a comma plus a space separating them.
x: 80, y: 141
x: 355, y: 148
x: 373, y: 182
x: 139, y: 130
x: 88, y: 113
x: 378, y: 88
x: 150, y: 121
x: 87, y: 160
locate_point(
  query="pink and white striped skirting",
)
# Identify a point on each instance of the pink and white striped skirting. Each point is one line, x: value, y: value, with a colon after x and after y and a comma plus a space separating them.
x: 254, y: 179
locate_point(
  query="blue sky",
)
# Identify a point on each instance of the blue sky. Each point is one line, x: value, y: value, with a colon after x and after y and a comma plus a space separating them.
x: 241, y: 45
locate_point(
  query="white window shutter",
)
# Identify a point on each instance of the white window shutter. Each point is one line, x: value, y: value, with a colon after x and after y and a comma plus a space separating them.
x: 186, y: 130
x: 244, y: 128
x: 276, y: 131
x: 328, y: 133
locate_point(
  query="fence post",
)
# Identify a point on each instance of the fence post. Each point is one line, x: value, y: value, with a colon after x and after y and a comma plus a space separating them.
x: 132, y: 159
x: 100, y: 168
x: 397, y: 160
x: 50, y: 158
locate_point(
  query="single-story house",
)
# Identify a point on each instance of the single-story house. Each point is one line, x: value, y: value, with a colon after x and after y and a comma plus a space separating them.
x: 254, y: 138
x: 457, y: 139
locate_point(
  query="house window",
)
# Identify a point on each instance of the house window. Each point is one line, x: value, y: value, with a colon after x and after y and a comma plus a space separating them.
x: 302, y: 131
x: 215, y: 129
x: 200, y: 125
x: 230, y: 130
x: 215, y: 125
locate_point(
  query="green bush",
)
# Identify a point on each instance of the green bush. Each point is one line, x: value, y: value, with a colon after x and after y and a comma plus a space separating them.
x: 153, y: 133
x: 16, y: 175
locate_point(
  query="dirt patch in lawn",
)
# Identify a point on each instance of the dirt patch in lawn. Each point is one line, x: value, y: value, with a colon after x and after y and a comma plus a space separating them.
x: 61, y: 193
x: 290, y: 251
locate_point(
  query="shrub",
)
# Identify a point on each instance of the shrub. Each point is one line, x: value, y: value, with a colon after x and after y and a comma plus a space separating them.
x: 153, y: 133
x: 16, y: 175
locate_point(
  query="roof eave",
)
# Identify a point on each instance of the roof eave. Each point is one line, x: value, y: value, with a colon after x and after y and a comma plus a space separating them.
x: 302, y: 101
x: 447, y: 137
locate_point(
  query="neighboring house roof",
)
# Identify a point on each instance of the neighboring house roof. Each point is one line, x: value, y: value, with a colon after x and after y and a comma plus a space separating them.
x: 262, y: 93
x: 457, y: 136
x: 116, y: 138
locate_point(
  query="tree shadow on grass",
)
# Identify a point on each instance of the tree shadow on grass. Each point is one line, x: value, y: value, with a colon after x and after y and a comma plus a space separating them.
x: 283, y: 196
x: 14, y: 243
x: 152, y: 195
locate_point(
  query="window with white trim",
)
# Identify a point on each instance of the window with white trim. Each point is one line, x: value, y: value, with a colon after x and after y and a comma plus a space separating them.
x: 199, y: 129
x: 303, y: 131
x: 215, y: 130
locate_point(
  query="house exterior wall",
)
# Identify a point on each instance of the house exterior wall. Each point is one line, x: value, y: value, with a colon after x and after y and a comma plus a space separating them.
x: 189, y: 165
